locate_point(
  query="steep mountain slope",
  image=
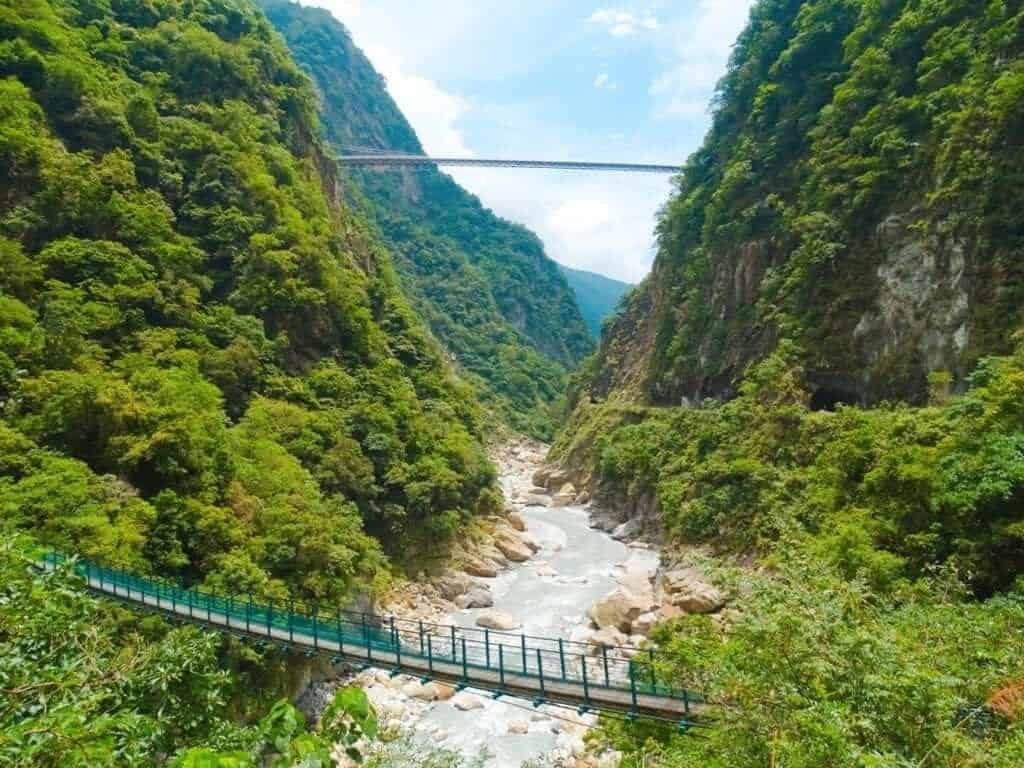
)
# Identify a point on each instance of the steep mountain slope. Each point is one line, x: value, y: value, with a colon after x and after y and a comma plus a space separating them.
x: 846, y: 234
x: 856, y: 194
x: 207, y: 368
x: 501, y: 308
x: 597, y: 295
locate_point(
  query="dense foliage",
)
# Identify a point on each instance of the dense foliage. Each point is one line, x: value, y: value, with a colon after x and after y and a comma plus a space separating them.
x: 891, y: 607
x: 597, y: 295
x: 500, y: 307
x: 86, y: 683
x: 817, y: 670
x: 207, y: 368
x: 857, y: 194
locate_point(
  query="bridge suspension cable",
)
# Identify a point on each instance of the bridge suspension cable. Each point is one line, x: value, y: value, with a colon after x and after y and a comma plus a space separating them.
x: 367, y: 158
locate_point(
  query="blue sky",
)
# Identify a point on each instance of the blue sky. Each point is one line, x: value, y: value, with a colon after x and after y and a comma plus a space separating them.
x: 542, y: 79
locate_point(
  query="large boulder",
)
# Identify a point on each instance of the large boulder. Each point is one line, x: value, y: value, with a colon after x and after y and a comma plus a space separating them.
x: 628, y: 530
x: 466, y: 701
x: 512, y: 546
x: 498, y: 620
x: 451, y: 584
x: 516, y: 521
x: 686, y: 589
x: 566, y: 495
x: 619, y: 608
x: 609, y: 637
x: 477, y: 597
x: 416, y: 690
x: 478, y: 566
x: 644, y: 623
x: 442, y: 692
x: 538, y: 500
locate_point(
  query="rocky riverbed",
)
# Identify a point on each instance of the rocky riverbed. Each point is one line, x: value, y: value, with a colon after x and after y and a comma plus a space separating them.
x: 546, y: 568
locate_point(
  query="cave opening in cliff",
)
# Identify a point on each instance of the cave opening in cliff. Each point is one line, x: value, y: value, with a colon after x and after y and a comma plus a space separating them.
x: 830, y: 398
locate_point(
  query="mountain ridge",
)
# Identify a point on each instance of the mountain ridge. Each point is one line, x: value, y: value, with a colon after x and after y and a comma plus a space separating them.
x: 499, y: 305
x: 598, y: 296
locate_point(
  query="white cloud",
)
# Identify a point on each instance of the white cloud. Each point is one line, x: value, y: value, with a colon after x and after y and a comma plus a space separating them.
x: 594, y: 221
x: 599, y: 222
x: 433, y: 111
x: 620, y: 23
x: 604, y: 81
x: 702, y: 50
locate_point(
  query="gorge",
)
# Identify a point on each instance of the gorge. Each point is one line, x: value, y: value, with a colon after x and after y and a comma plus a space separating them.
x: 791, y: 459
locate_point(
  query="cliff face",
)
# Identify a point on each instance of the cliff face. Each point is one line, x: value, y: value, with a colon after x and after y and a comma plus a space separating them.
x: 498, y: 304
x: 855, y: 195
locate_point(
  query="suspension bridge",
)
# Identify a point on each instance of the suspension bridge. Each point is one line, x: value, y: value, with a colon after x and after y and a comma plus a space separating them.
x: 587, y: 676
x: 378, y: 158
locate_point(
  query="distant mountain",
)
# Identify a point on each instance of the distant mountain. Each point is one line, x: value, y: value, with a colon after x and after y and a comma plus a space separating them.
x: 490, y: 294
x: 597, y: 295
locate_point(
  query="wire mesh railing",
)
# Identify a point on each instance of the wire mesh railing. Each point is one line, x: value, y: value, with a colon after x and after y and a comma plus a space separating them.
x: 426, y: 645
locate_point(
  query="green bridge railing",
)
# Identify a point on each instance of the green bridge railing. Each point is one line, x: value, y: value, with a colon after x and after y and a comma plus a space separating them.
x: 545, y: 660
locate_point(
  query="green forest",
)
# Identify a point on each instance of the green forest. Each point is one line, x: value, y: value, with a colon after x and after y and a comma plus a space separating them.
x: 228, y: 364
x: 503, y: 311
x: 208, y: 369
x: 859, y: 493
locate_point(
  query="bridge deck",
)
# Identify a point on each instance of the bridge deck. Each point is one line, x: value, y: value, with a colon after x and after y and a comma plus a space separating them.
x: 516, y: 665
x: 390, y: 160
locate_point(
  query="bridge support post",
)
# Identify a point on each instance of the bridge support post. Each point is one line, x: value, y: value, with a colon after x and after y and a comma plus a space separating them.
x: 487, y: 646
x: 465, y: 663
x: 604, y: 656
x: 397, y: 640
x: 291, y: 621
x: 454, y: 657
x: 270, y: 620
x: 522, y: 639
x: 248, y: 615
x: 421, y: 636
x: 654, y: 677
x: 561, y: 656
x: 540, y: 672
x: 501, y: 666
x: 632, y: 686
x: 686, y: 702
x: 316, y: 639
x: 586, y: 684
x: 341, y: 635
x: 430, y: 654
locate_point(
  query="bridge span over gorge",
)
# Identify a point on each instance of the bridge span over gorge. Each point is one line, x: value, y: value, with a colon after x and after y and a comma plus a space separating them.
x: 618, y: 680
x: 360, y: 157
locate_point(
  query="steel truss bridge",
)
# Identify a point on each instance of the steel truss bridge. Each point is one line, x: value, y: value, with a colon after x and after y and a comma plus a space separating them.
x: 367, y: 158
x: 589, y: 677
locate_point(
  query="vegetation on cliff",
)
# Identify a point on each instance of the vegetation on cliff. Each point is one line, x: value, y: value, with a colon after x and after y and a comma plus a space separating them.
x: 856, y: 194
x: 207, y: 368
x: 845, y: 237
x: 501, y: 308
x: 887, y: 611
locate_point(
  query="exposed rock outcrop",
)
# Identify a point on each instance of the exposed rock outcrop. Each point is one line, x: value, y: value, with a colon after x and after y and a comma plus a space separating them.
x: 689, y: 591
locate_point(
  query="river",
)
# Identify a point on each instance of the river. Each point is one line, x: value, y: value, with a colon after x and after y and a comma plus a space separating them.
x: 575, y: 566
